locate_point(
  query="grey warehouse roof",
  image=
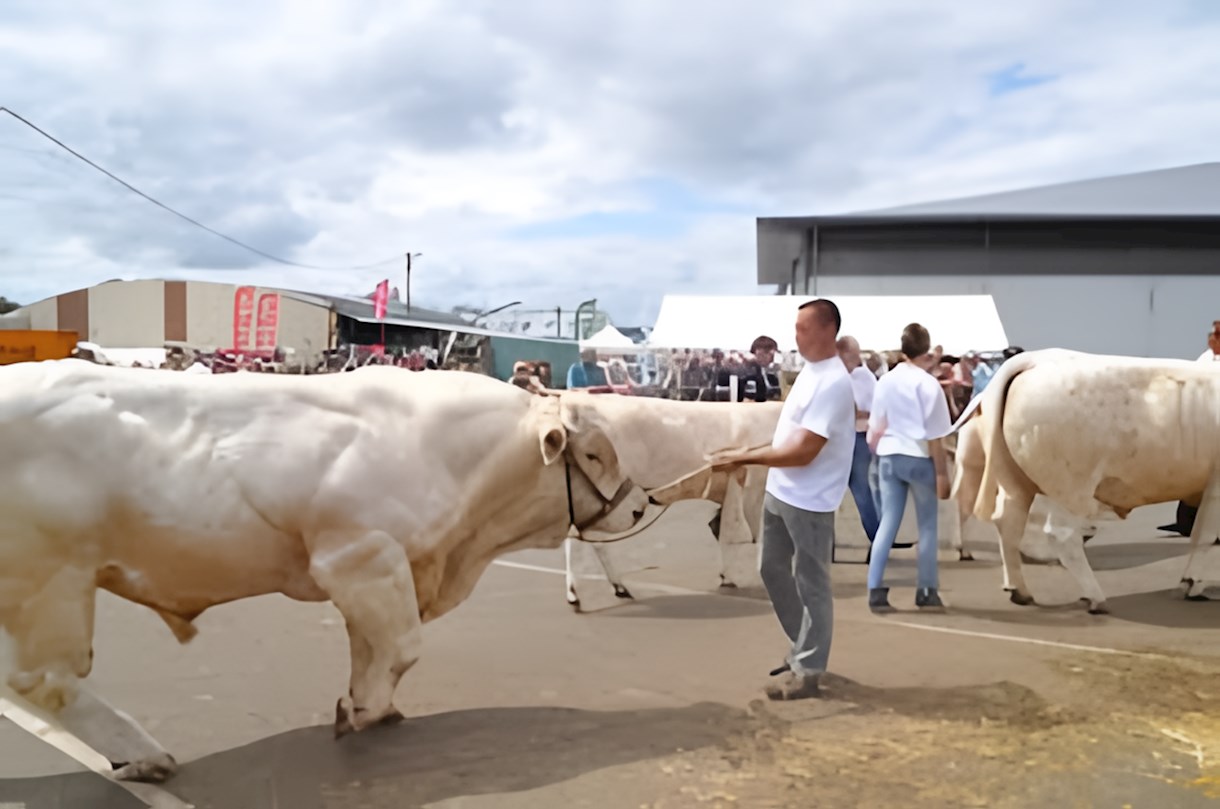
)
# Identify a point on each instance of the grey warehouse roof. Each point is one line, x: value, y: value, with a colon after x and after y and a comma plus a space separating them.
x: 1184, y: 192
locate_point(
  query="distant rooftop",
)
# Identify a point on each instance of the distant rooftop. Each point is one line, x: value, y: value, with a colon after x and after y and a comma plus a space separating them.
x: 360, y: 308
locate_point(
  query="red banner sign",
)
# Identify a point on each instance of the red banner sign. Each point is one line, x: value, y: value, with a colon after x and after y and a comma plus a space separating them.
x: 243, y: 317
x: 268, y: 322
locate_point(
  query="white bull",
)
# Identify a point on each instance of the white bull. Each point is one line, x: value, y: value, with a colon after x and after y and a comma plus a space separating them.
x: 1100, y: 436
x: 659, y: 441
x: 386, y: 492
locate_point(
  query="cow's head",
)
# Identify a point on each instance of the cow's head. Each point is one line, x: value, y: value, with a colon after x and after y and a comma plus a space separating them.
x: 603, y: 502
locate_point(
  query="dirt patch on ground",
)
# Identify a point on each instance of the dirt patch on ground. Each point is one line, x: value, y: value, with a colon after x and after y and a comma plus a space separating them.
x: 1130, y: 732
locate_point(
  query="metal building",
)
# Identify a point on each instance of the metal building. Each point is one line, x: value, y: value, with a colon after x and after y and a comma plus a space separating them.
x: 1128, y: 264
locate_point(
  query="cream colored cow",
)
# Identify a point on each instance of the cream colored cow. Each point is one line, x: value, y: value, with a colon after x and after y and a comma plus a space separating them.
x: 1051, y: 535
x: 659, y: 441
x: 384, y: 491
x: 1100, y: 436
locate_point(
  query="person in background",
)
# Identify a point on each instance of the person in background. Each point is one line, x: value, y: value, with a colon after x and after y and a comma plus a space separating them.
x: 980, y: 372
x: 1212, y: 354
x: 863, y: 384
x: 909, y: 418
x: 1184, y: 519
x: 586, y: 373
x: 763, y: 356
x: 810, y: 461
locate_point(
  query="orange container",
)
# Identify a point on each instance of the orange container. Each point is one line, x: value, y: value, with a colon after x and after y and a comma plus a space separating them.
x: 26, y: 345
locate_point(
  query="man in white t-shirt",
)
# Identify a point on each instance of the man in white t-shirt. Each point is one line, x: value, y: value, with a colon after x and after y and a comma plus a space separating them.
x: 863, y: 383
x: 810, y: 458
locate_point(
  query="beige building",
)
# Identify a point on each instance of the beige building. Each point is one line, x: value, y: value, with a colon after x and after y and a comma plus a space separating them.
x: 194, y: 314
x: 208, y: 316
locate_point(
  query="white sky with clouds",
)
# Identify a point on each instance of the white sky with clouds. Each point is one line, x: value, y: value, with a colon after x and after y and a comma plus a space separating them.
x: 551, y: 152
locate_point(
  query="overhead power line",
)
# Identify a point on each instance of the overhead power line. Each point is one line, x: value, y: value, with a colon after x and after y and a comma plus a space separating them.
x: 181, y: 215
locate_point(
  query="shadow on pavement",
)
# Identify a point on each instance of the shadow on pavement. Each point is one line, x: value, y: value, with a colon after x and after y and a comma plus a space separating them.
x: 1167, y: 608
x: 1126, y: 555
x: 420, y: 761
x: 694, y: 607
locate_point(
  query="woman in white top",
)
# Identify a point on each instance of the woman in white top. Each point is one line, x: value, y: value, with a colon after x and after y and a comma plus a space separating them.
x: 909, y: 418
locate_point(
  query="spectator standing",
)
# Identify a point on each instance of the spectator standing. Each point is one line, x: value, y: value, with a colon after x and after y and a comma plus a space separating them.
x: 909, y: 418
x: 586, y: 373
x: 810, y: 462
x: 763, y: 356
x: 863, y: 384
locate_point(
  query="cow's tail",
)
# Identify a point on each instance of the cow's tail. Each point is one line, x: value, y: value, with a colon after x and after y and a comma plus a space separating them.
x: 999, y: 458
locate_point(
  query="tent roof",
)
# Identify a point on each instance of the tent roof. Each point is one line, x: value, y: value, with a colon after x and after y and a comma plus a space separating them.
x: 960, y: 323
x: 608, y: 337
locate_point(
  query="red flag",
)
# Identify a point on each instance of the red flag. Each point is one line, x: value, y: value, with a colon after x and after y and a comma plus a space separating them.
x: 267, y: 323
x: 243, y: 315
x: 380, y: 298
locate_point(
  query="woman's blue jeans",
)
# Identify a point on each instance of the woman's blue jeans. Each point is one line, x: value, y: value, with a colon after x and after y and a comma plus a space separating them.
x: 897, y: 475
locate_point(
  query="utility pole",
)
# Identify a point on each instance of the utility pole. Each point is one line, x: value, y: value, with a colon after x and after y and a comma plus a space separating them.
x: 409, y: 278
x: 559, y: 321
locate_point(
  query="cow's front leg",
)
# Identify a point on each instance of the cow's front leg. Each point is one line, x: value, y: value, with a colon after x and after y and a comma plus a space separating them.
x: 569, y: 576
x: 1014, y: 514
x: 612, y: 574
x: 368, y: 577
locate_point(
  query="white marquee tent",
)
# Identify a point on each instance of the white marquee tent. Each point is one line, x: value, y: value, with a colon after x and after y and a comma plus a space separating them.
x: 731, y: 322
x: 609, y: 339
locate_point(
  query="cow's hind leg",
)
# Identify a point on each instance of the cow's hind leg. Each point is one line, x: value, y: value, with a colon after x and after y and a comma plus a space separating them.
x: 368, y: 577
x: 1014, y: 514
x: 131, y: 751
x: 1205, y: 530
x: 1071, y: 555
x: 53, y: 636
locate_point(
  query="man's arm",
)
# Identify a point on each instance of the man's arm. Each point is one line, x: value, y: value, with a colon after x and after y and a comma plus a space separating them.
x: 801, y: 448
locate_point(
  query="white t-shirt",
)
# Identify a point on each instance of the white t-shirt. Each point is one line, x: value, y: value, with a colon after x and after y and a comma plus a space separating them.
x: 863, y: 385
x: 820, y: 401
x: 1208, y: 356
x: 911, y: 407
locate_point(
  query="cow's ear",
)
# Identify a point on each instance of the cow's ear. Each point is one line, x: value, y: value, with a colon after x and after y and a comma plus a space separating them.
x: 553, y: 440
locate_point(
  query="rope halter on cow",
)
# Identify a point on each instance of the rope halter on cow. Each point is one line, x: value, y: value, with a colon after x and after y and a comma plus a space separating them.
x: 608, y: 506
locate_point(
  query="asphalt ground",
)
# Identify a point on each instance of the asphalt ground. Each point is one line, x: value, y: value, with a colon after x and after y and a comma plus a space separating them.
x: 657, y: 702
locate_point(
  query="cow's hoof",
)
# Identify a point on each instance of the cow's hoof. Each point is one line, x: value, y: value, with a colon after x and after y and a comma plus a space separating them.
x: 345, y: 717
x: 153, y: 770
x: 622, y: 592
x: 1195, y: 590
x: 1023, y: 599
x: 1097, y: 607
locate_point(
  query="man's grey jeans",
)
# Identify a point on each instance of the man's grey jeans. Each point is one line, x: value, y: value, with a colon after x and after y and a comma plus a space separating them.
x: 795, y: 566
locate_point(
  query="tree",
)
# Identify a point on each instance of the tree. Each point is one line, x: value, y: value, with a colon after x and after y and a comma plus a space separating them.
x: 7, y: 306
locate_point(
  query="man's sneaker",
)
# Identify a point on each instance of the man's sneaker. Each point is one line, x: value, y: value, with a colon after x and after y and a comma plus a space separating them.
x: 878, y: 600
x: 794, y: 686
x: 927, y: 598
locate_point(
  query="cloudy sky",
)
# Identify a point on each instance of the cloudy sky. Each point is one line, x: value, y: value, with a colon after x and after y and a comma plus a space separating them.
x: 552, y: 151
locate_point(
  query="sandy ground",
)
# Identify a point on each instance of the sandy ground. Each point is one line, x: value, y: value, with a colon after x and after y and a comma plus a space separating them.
x: 519, y: 702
